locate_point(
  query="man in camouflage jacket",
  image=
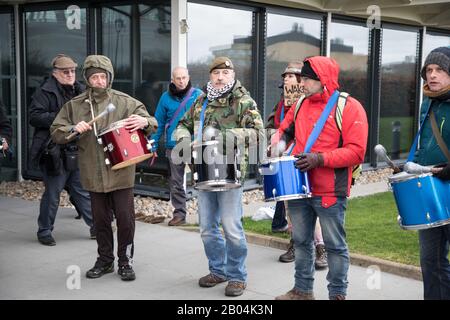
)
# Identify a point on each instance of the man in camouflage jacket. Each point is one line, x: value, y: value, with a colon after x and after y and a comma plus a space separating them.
x: 229, y: 110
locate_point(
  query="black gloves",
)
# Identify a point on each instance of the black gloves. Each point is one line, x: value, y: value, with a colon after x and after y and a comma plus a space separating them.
x: 308, y: 161
x: 444, y: 174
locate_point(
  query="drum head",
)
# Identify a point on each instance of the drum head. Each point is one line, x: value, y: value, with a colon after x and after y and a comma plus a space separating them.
x: 113, y: 126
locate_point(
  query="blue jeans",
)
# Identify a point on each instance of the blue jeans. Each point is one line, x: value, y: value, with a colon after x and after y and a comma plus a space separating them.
x: 54, y: 185
x: 303, y: 214
x: 226, y: 257
x: 434, y: 246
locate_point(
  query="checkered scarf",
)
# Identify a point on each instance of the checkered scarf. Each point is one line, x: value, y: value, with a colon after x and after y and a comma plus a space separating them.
x: 214, y: 93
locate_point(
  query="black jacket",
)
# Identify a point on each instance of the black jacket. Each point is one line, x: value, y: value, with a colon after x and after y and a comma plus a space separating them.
x: 45, y: 105
x: 5, y: 126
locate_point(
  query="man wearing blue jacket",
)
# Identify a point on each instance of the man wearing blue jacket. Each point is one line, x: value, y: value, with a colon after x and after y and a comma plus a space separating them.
x: 171, y: 108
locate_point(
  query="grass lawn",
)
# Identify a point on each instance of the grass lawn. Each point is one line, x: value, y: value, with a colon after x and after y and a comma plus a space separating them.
x: 372, y: 229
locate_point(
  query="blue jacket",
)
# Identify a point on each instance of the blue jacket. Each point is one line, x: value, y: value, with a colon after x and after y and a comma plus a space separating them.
x: 167, y: 106
x: 429, y: 152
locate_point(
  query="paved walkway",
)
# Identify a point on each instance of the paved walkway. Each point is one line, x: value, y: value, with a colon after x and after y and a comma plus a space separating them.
x: 168, y: 263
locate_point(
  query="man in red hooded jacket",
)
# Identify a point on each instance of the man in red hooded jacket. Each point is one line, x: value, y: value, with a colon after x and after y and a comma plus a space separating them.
x: 329, y: 164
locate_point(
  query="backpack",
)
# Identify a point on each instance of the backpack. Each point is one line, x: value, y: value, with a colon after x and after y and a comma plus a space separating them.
x: 342, y: 100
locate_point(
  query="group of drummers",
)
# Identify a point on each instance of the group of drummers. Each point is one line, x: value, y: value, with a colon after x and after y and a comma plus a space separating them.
x: 320, y: 136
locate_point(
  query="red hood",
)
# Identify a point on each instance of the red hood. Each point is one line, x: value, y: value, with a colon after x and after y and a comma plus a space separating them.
x: 327, y: 70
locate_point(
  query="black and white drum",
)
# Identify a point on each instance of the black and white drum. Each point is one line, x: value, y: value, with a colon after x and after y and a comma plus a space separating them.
x: 212, y: 171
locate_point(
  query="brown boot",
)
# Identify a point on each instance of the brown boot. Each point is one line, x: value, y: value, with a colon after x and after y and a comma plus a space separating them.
x: 289, y: 255
x: 295, y: 294
x: 321, y: 257
x: 210, y: 280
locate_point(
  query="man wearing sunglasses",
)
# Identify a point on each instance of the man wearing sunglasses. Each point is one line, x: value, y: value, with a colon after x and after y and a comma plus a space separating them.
x: 57, y: 162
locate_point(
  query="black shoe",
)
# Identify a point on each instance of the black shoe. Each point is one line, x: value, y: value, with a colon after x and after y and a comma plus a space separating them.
x: 97, y: 272
x: 93, y: 233
x: 47, y: 241
x: 281, y: 229
x: 126, y: 273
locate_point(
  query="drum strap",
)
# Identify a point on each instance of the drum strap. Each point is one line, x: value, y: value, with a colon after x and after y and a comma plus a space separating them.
x: 321, y: 122
x: 202, y: 120
x: 180, y: 107
x: 438, y: 136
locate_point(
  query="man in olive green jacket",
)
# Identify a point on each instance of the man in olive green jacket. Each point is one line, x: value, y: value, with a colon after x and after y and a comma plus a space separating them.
x: 110, y: 190
x: 225, y: 109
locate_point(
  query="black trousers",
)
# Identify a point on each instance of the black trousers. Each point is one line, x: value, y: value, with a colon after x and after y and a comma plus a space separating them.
x: 121, y: 204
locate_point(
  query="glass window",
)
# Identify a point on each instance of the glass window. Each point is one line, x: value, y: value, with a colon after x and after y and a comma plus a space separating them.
x: 116, y: 28
x: 433, y: 41
x: 8, y: 164
x: 350, y: 48
x: 398, y: 91
x: 137, y: 40
x: 49, y: 33
x: 230, y: 34
x: 288, y: 39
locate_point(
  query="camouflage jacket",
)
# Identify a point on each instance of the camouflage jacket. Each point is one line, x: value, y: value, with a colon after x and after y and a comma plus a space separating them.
x: 235, y: 112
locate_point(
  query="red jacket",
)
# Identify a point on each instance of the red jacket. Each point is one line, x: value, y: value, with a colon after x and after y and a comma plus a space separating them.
x: 334, y: 178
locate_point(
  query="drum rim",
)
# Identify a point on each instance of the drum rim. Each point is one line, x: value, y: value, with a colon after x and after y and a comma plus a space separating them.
x: 225, y: 182
x: 113, y: 126
x: 422, y: 226
x: 290, y: 197
x: 204, y: 143
x: 277, y: 159
x: 409, y: 177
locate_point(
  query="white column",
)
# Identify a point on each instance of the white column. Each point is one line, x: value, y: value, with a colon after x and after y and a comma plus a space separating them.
x: 179, y: 33
x: 328, y: 35
x: 18, y: 47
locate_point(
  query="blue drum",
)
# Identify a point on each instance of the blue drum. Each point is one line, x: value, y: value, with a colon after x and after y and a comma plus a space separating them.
x: 282, y: 181
x: 423, y: 201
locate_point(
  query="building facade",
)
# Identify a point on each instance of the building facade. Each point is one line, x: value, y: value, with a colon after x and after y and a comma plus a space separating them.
x: 380, y: 54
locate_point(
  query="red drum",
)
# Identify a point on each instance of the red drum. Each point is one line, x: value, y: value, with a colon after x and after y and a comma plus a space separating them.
x: 124, y: 148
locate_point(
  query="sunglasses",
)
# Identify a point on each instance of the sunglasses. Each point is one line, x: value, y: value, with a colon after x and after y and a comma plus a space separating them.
x: 67, y: 71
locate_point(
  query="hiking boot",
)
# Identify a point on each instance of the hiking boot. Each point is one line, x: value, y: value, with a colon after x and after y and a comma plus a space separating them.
x: 177, y: 221
x: 47, y: 241
x: 235, y: 288
x: 97, y: 272
x: 295, y: 294
x: 321, y: 257
x: 289, y: 255
x: 126, y: 273
x: 210, y: 281
x: 337, y: 297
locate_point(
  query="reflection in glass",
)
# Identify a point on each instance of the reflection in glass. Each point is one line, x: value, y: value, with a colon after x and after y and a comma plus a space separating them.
x: 398, y: 90
x: 48, y: 34
x: 8, y: 165
x: 288, y: 39
x: 116, y: 37
x: 350, y: 48
x: 433, y: 41
x: 214, y: 32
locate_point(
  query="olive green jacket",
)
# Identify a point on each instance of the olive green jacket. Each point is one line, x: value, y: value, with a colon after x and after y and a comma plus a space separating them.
x: 236, y: 111
x: 96, y: 176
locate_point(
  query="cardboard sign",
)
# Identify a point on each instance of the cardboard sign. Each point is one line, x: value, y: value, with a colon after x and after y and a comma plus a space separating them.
x: 291, y: 94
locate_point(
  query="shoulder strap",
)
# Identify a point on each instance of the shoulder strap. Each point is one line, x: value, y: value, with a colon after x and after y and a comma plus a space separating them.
x: 438, y: 136
x: 342, y: 100
x: 298, y: 105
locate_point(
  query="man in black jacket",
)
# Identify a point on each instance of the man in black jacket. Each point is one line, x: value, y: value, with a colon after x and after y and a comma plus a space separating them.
x: 5, y: 131
x: 57, y: 162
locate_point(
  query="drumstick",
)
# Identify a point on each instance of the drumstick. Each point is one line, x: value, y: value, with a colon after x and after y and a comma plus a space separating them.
x: 382, y: 153
x: 415, y: 168
x: 109, y: 108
